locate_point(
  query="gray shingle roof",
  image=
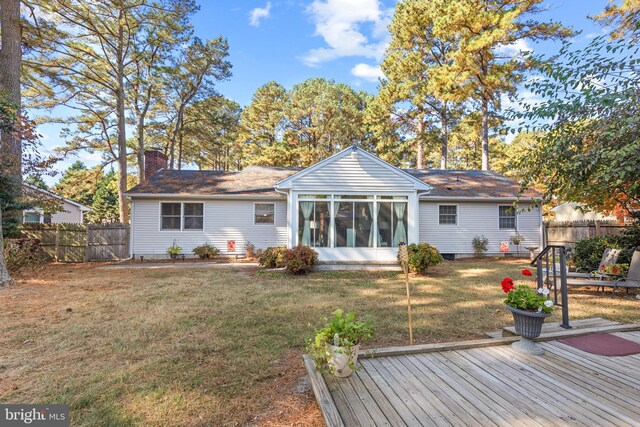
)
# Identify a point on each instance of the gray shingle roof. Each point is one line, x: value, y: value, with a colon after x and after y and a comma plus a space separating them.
x: 259, y: 180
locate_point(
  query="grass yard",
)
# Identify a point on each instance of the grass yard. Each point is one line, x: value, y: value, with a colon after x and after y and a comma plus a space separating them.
x: 190, y: 347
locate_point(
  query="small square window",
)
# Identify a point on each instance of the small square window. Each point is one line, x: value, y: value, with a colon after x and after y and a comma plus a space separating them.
x: 170, y: 216
x: 448, y: 214
x: 264, y: 213
x: 507, y: 217
x: 193, y: 216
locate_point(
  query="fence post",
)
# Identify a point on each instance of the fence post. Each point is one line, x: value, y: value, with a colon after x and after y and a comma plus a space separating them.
x: 86, y: 246
x: 56, y: 243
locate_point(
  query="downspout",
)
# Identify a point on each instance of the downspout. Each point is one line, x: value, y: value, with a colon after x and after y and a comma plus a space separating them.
x: 131, y: 254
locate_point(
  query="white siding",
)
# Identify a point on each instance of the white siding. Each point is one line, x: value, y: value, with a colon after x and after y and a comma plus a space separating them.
x: 70, y: 214
x: 349, y: 174
x: 223, y: 220
x: 476, y: 218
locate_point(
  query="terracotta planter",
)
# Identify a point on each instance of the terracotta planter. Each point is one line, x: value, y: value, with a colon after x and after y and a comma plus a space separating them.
x: 528, y: 325
x: 341, y: 358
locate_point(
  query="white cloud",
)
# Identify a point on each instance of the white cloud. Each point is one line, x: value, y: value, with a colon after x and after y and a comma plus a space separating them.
x: 340, y: 22
x: 367, y: 72
x: 515, y: 48
x: 258, y: 14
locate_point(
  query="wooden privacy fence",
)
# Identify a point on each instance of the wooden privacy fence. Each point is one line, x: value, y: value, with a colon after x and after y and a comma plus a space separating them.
x: 80, y: 242
x: 567, y: 233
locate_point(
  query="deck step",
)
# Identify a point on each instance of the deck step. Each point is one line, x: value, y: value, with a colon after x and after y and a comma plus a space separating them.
x: 549, y: 328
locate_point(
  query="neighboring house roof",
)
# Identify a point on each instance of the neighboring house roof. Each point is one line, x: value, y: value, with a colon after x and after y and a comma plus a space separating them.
x: 470, y: 183
x: 251, y: 181
x: 51, y: 194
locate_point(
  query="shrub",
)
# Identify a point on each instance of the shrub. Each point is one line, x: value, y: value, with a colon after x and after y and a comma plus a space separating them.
x: 206, y: 251
x: 300, y: 260
x: 250, y: 249
x: 480, y: 245
x: 22, y: 254
x: 422, y: 256
x: 587, y: 253
x: 272, y: 257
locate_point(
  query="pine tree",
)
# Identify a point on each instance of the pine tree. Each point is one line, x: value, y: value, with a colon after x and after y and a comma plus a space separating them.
x: 105, y: 200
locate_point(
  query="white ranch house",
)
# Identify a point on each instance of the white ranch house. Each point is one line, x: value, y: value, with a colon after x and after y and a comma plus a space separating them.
x: 67, y: 211
x: 350, y: 207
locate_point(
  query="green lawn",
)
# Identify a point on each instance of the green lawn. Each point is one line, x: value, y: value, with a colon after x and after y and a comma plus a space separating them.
x: 220, y: 347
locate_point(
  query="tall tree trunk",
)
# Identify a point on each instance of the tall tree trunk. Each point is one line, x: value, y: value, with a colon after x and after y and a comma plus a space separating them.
x: 10, y: 63
x: 5, y: 278
x: 122, y: 136
x: 420, y: 143
x: 140, y: 154
x: 444, y: 137
x: 485, y: 133
x: 180, y: 151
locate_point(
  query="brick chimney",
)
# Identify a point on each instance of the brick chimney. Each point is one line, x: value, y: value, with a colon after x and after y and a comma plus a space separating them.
x: 154, y: 160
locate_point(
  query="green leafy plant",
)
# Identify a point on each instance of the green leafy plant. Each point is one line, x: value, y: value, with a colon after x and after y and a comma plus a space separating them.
x: 587, y: 253
x: 300, y: 260
x: 174, y: 249
x: 342, y: 330
x: 206, y: 251
x: 272, y: 257
x: 526, y: 298
x: 480, y: 245
x: 422, y: 256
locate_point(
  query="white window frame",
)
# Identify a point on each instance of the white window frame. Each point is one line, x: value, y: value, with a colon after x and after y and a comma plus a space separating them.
x: 331, y: 198
x: 457, y: 214
x: 515, y: 214
x: 24, y: 217
x: 272, y: 224
x: 182, y: 229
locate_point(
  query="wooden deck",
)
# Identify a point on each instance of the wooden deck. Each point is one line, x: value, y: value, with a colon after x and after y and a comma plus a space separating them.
x: 488, y: 384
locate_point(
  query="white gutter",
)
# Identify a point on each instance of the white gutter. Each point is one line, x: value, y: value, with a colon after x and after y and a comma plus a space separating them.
x: 202, y: 196
x: 477, y: 199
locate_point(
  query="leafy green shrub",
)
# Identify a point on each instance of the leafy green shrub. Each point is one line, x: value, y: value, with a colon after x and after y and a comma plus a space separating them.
x: 629, y: 240
x: 206, y: 251
x: 272, y: 257
x: 300, y: 260
x: 422, y: 256
x: 22, y: 254
x: 587, y: 253
x: 480, y: 245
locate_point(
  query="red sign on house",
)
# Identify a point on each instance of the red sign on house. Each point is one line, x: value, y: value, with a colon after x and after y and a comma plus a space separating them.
x: 504, y: 247
x: 231, y: 245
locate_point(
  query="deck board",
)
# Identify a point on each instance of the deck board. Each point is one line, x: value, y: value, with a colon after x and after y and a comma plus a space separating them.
x: 491, y: 385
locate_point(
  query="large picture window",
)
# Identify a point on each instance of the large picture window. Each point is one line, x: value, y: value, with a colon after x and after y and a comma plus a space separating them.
x: 507, y: 217
x: 352, y: 221
x: 181, y: 216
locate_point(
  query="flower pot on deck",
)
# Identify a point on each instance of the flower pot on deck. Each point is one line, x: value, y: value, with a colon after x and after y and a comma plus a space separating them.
x: 343, y: 360
x: 528, y: 325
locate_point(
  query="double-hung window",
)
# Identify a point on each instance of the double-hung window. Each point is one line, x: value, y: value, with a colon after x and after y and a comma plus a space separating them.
x: 181, y: 216
x: 448, y: 214
x: 507, y: 217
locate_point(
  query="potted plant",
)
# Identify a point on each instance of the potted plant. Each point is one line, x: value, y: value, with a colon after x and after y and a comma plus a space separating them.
x: 174, y: 250
x: 250, y: 249
x: 529, y: 309
x: 517, y: 239
x: 335, y: 346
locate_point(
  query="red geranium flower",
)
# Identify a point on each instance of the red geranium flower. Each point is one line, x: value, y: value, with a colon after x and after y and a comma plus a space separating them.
x: 507, y: 284
x: 526, y: 272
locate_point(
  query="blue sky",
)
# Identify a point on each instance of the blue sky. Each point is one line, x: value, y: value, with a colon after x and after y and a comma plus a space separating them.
x: 292, y: 40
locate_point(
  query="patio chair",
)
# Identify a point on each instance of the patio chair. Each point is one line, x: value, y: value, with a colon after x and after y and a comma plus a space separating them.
x: 631, y: 281
x: 609, y: 257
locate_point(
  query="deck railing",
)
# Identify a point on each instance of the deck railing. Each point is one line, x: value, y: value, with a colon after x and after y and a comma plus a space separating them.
x: 551, y: 267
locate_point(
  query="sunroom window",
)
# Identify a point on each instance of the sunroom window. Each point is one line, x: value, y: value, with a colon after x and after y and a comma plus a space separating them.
x: 352, y: 221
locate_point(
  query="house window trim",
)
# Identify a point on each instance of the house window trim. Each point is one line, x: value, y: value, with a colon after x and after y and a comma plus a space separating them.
x: 259, y: 224
x: 457, y: 214
x: 182, y: 229
x: 515, y: 214
x: 24, y: 217
x: 330, y: 197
